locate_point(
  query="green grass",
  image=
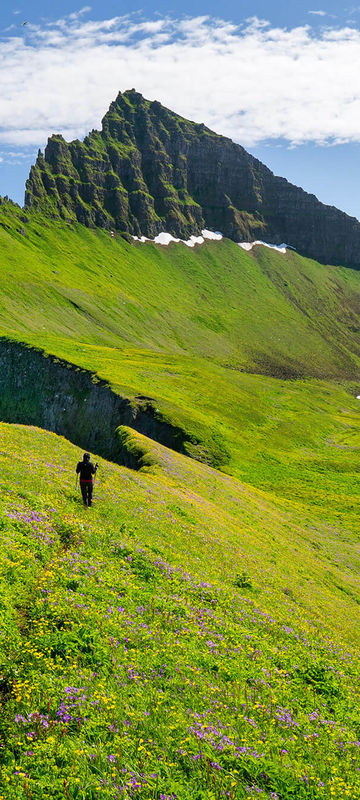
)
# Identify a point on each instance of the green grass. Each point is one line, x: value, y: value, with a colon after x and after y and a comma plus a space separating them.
x: 187, y: 636
x: 189, y: 604
x: 194, y: 330
x: 266, y: 313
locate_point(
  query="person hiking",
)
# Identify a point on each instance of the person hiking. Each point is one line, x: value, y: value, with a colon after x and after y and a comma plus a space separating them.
x: 87, y: 471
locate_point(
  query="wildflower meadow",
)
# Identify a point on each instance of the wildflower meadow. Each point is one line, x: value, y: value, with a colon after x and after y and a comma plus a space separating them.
x: 169, y: 643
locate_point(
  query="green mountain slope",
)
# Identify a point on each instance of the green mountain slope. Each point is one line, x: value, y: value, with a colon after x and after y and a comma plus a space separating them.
x: 188, y: 637
x: 185, y: 328
x: 269, y: 313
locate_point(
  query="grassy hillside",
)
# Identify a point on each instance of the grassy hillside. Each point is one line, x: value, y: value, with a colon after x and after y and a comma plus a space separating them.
x: 255, y: 356
x: 274, y: 314
x: 189, y: 637
x: 194, y: 635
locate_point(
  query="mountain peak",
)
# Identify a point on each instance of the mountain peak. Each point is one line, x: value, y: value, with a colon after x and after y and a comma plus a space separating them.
x: 150, y: 170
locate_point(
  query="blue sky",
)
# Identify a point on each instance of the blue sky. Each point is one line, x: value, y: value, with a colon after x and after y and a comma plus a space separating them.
x: 281, y: 78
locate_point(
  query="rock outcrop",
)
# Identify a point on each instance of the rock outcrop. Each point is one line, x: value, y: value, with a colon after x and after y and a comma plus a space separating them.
x: 149, y: 170
x: 76, y: 404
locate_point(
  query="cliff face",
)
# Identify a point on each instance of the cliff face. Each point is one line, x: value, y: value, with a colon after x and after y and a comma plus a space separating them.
x: 149, y: 170
x: 71, y: 403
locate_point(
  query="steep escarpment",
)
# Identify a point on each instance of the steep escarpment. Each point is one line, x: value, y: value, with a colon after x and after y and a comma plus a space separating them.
x: 149, y: 169
x: 42, y: 390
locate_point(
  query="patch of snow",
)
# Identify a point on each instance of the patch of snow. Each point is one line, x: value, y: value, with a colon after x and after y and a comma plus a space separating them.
x: 281, y: 248
x: 193, y: 241
x: 141, y: 239
x: 215, y: 235
x: 164, y: 238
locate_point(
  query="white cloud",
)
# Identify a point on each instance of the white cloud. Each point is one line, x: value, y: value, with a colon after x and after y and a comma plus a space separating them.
x: 251, y: 82
x: 9, y: 155
x: 318, y: 13
x: 78, y: 14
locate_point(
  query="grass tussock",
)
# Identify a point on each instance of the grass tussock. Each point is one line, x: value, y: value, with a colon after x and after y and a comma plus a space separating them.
x: 134, y: 450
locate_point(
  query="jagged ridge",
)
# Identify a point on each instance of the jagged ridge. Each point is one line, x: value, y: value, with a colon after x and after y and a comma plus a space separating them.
x: 149, y: 169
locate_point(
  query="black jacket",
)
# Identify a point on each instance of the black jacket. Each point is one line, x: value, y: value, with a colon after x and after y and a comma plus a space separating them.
x: 86, y: 470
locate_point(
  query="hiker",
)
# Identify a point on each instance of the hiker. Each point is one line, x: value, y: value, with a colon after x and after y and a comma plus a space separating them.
x: 86, y: 470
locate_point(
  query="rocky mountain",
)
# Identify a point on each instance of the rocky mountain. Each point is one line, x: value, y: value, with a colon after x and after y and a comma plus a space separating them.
x: 149, y: 170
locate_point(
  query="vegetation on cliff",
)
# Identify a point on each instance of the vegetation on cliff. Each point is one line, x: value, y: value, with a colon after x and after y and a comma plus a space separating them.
x: 149, y: 170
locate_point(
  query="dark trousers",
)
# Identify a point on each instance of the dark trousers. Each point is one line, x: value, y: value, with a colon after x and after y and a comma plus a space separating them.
x: 87, y: 492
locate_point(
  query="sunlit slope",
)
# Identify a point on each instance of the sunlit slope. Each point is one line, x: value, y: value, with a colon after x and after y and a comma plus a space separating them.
x: 299, y: 439
x: 279, y: 314
x: 186, y: 637
x: 183, y: 326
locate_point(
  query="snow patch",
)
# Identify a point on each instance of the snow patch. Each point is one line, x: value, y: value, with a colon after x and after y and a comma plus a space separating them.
x: 281, y: 248
x: 214, y: 235
x: 164, y: 238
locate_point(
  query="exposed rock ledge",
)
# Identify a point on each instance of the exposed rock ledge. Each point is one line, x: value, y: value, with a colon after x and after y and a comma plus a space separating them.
x: 42, y: 390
